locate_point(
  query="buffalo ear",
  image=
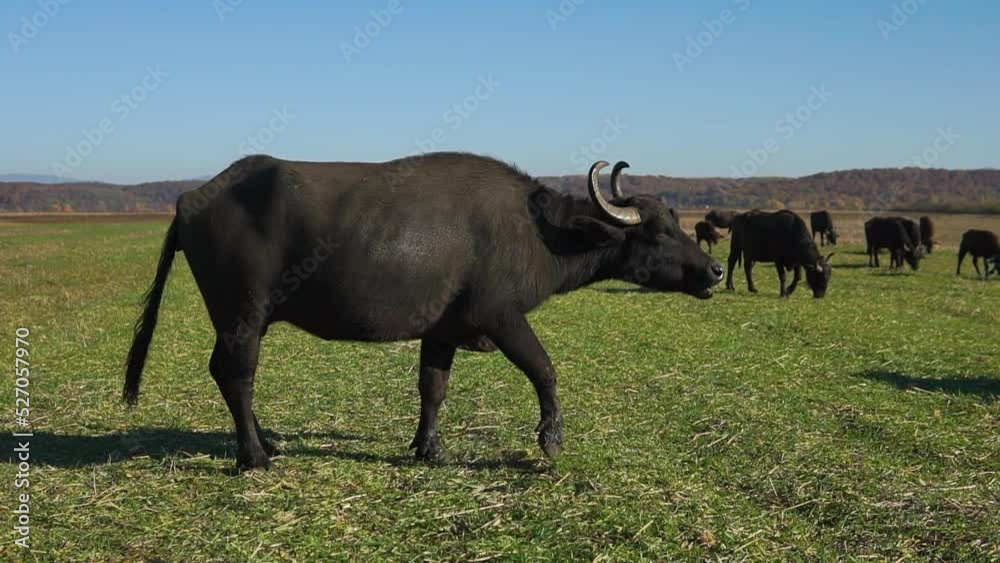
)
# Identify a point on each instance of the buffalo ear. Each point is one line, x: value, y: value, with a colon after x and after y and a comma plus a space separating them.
x: 597, y: 231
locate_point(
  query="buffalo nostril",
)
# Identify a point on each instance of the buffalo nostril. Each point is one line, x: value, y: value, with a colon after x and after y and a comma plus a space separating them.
x: 717, y: 270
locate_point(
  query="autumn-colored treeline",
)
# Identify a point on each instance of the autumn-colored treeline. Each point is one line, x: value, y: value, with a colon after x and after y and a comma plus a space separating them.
x: 88, y: 197
x: 913, y: 189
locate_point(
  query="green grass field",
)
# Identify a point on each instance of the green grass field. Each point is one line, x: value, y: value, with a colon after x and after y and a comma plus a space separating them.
x: 864, y: 426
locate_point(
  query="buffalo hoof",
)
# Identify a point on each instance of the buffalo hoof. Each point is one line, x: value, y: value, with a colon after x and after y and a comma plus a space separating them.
x: 550, y: 434
x: 270, y: 449
x: 249, y: 462
x: 428, y: 448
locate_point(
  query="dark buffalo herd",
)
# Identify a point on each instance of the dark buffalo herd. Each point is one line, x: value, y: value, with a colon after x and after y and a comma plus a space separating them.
x: 705, y: 231
x: 721, y: 219
x: 822, y: 225
x: 780, y: 238
x: 367, y: 252
x: 896, y: 235
x: 980, y: 244
x: 927, y: 233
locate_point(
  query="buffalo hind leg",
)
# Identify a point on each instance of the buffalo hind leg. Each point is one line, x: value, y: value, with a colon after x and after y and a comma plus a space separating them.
x: 748, y: 270
x: 435, y: 367
x: 233, y: 366
x: 733, y: 256
x: 781, y: 280
x: 515, y: 338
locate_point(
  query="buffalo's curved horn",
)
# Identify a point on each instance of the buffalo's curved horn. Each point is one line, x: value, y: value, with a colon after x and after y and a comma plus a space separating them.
x: 616, y: 187
x: 623, y: 215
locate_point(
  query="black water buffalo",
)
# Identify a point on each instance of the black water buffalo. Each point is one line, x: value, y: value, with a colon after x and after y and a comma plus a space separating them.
x: 896, y: 235
x: 822, y: 225
x: 981, y: 244
x: 452, y: 249
x: 704, y: 231
x: 927, y: 233
x: 913, y: 230
x: 721, y: 219
x: 782, y: 238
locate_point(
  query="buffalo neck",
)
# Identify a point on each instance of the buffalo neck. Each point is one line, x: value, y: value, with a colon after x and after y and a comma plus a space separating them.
x: 808, y: 253
x: 579, y: 269
x: 578, y: 261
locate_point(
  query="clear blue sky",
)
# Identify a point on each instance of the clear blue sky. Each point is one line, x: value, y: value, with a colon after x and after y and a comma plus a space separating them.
x: 559, y: 82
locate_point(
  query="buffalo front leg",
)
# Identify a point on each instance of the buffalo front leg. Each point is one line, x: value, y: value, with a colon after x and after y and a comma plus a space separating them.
x: 515, y: 338
x: 781, y: 280
x: 269, y: 448
x: 975, y: 264
x: 796, y: 278
x: 233, y: 366
x: 435, y: 367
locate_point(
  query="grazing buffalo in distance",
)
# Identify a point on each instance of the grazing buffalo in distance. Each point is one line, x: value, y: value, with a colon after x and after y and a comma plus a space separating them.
x: 913, y: 231
x: 822, y: 225
x: 782, y: 238
x: 981, y: 244
x: 890, y: 233
x: 452, y: 249
x: 721, y: 219
x: 704, y: 231
x: 927, y: 233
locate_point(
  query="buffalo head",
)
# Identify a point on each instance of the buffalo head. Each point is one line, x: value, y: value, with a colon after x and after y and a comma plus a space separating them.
x: 655, y: 252
x: 818, y: 275
x: 912, y: 255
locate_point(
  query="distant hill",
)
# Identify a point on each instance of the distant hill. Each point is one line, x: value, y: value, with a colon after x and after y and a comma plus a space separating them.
x: 904, y: 189
x: 36, y: 178
x: 92, y: 196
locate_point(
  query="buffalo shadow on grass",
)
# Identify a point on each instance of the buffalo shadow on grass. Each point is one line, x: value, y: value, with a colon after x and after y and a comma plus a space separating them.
x: 636, y: 289
x: 75, y: 450
x: 985, y: 387
x: 158, y: 443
